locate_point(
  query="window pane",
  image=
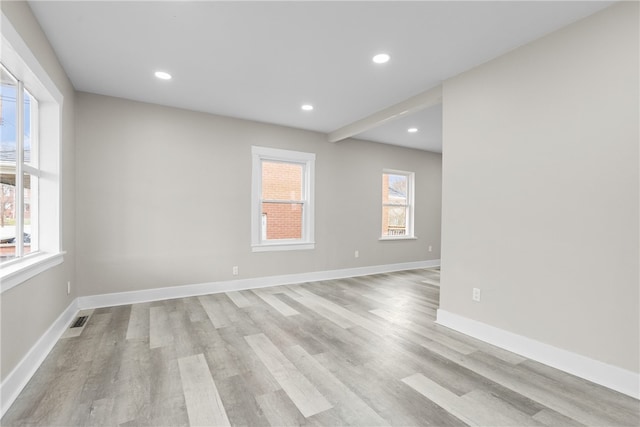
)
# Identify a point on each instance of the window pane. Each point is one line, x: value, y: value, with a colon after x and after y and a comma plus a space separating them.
x: 30, y: 214
x: 281, y: 181
x: 8, y: 87
x: 7, y: 216
x: 394, y: 189
x: 394, y: 221
x: 282, y: 220
x: 8, y: 143
x: 30, y: 129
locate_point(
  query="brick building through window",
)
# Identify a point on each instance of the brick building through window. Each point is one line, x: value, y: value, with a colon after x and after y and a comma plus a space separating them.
x: 282, y: 189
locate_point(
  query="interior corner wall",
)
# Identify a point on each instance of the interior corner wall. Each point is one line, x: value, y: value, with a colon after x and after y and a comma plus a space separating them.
x: 541, y: 188
x: 164, y: 198
x: 29, y: 309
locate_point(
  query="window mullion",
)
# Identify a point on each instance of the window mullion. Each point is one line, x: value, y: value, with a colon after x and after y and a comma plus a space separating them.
x: 19, y: 170
x: 291, y: 201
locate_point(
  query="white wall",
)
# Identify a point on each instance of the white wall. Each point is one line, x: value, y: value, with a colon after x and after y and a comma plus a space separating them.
x: 30, y: 308
x: 541, y: 193
x: 164, y: 198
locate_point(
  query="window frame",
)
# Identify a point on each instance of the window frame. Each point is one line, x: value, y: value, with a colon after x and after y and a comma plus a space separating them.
x: 18, y: 59
x: 307, y: 161
x: 410, y: 205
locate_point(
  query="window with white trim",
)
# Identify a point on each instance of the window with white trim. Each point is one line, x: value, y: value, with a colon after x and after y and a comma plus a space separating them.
x: 397, y: 204
x: 30, y: 120
x: 282, y: 199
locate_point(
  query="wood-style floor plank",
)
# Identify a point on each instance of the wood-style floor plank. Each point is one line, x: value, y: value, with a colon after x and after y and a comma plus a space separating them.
x: 488, y: 405
x: 204, y: 404
x: 138, y: 327
x: 440, y: 396
x: 167, y: 398
x: 159, y: 327
x: 320, y: 309
x: 238, y: 299
x: 214, y: 312
x: 274, y: 302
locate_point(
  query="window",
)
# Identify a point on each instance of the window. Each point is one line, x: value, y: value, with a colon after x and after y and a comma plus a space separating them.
x: 397, y: 204
x: 282, y: 200
x: 30, y: 106
x: 19, y: 171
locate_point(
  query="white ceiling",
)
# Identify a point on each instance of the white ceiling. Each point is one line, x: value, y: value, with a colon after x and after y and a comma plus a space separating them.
x: 262, y: 60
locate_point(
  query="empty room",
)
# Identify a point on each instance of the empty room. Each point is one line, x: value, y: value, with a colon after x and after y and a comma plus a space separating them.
x: 286, y: 213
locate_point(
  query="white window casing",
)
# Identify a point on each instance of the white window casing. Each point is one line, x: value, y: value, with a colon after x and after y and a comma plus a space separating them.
x: 20, y: 61
x: 409, y: 205
x: 259, y: 241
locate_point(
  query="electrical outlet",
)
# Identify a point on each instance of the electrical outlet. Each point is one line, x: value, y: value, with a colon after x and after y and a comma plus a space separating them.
x: 430, y: 248
x: 356, y: 254
x: 476, y: 294
x: 235, y: 270
x: 69, y: 288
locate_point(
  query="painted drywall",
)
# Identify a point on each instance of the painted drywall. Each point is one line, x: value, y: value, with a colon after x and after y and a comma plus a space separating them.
x: 540, y: 190
x: 164, y: 198
x: 30, y: 308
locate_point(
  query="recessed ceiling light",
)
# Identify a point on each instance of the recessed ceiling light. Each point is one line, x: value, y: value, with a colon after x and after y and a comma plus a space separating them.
x: 381, y: 58
x: 307, y: 107
x: 162, y: 75
x: 412, y: 130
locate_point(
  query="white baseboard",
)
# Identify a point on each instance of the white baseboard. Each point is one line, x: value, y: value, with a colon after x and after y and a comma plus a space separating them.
x: 22, y: 373
x: 158, y: 294
x: 613, y: 377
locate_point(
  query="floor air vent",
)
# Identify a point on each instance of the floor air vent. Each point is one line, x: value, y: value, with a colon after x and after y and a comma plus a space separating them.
x: 80, y: 321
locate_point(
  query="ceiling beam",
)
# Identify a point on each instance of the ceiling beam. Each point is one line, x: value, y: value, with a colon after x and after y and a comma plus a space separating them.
x: 418, y: 102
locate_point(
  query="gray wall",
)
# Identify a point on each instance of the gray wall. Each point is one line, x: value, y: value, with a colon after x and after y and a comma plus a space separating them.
x: 164, y: 198
x: 540, y: 189
x: 30, y: 308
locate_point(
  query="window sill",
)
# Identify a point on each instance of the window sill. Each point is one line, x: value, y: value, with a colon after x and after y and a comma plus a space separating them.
x: 387, y: 238
x: 28, y: 267
x: 268, y: 247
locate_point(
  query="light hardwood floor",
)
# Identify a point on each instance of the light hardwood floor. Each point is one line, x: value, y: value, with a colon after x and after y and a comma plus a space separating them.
x: 359, y: 351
